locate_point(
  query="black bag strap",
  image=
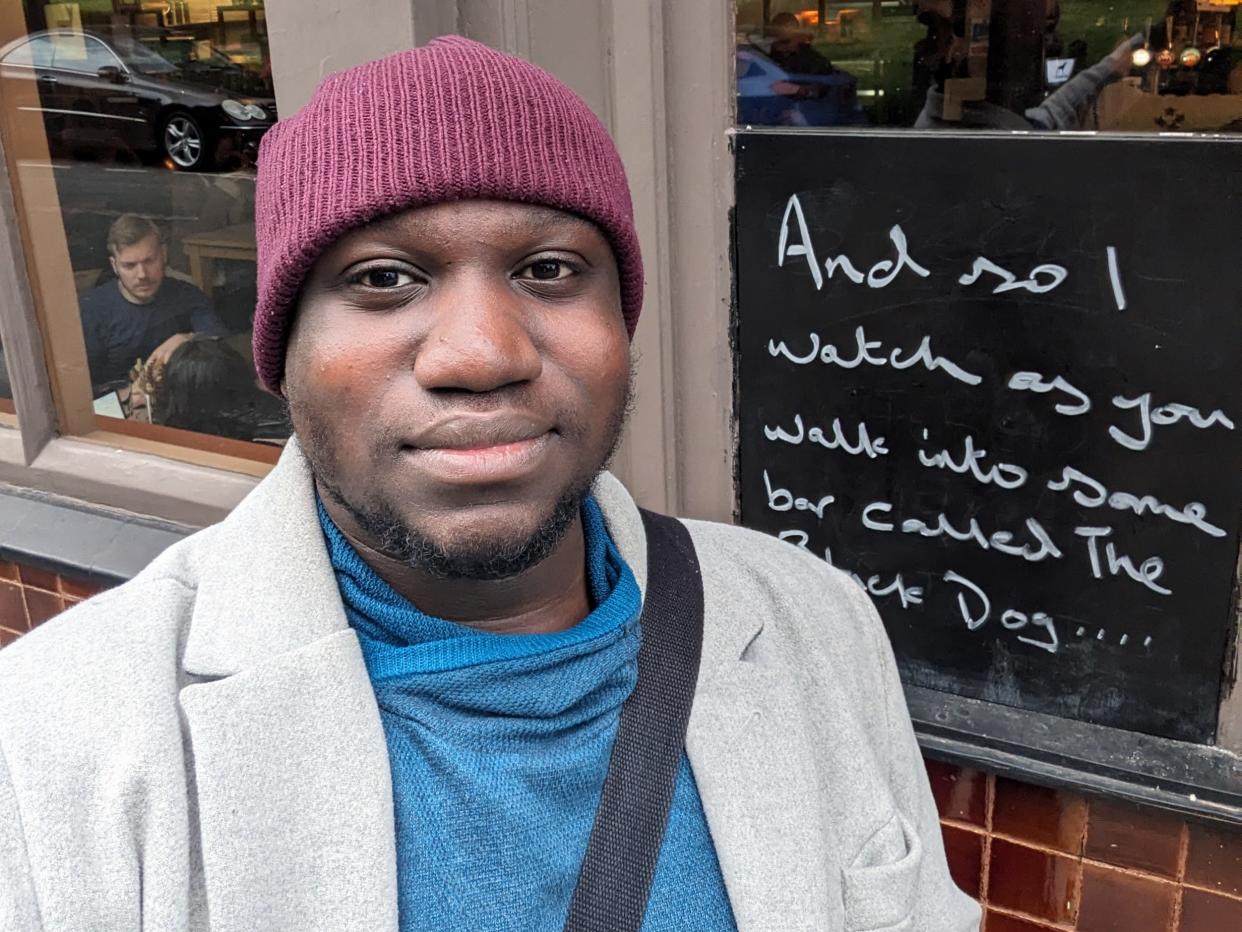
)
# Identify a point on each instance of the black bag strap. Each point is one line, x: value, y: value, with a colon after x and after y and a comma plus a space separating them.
x: 620, y: 861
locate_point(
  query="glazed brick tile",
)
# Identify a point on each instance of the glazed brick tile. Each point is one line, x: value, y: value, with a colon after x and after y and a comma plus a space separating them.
x: 77, y: 589
x: 12, y: 607
x: 1214, y: 859
x: 39, y: 579
x: 961, y: 793
x: 1037, y: 814
x: 1209, y: 912
x: 8, y: 570
x: 1001, y: 922
x: 1130, y: 836
x: 42, y: 605
x: 964, y: 851
x: 1115, y: 901
x: 1027, y: 880
x: 8, y: 636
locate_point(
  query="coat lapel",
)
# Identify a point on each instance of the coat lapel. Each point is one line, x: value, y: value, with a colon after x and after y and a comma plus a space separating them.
x: 747, y: 750
x: 748, y: 756
x: 290, y: 769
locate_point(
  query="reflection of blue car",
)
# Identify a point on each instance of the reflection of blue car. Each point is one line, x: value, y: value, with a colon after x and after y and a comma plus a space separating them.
x: 767, y: 95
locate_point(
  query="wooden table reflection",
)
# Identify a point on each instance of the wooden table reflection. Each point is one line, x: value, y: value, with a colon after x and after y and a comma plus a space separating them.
x: 202, y: 249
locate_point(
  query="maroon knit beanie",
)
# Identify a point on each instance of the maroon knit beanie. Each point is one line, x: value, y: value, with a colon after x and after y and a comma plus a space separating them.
x: 449, y: 121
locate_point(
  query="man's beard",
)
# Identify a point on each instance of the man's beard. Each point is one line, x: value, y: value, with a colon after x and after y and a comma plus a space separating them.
x: 472, y: 559
x: 475, y: 559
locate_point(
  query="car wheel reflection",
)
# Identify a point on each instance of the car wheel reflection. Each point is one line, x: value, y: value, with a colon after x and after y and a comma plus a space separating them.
x: 183, y: 141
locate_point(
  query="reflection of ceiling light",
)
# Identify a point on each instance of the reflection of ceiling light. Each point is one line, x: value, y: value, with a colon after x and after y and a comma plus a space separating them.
x: 1166, y: 58
x: 1191, y: 57
x: 1141, y: 58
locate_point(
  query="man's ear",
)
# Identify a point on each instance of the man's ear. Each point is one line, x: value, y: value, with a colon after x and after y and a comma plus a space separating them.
x: 115, y: 270
x: 164, y: 253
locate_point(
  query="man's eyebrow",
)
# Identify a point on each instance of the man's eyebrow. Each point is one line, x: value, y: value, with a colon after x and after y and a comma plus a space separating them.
x: 539, y: 218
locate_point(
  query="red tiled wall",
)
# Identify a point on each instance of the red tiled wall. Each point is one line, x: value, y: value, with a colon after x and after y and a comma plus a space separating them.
x: 1042, y: 860
x: 29, y: 597
x: 1038, y: 859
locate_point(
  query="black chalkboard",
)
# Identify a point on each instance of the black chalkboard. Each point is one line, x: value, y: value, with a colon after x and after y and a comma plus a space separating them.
x: 999, y: 368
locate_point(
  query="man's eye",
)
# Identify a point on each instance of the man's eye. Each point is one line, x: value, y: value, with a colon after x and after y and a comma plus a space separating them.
x: 546, y: 270
x: 384, y: 278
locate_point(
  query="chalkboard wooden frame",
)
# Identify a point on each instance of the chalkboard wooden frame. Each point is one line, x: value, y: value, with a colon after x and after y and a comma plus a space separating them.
x: 1192, y: 777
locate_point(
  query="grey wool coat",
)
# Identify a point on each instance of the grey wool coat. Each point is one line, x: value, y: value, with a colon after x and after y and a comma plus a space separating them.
x: 200, y: 748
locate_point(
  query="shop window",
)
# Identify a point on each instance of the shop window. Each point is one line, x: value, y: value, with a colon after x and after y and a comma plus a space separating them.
x: 131, y: 132
x: 7, y: 411
x: 1132, y: 66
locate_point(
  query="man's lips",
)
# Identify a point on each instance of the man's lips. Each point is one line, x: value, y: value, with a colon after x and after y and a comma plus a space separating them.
x: 481, y: 450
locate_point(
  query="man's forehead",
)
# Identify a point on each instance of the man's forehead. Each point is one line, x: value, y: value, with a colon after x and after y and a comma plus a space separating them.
x: 145, y: 245
x: 511, y: 216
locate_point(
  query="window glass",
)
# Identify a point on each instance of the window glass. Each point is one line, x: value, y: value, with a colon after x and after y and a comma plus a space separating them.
x: 76, y: 51
x: 36, y: 52
x: 6, y: 390
x: 1134, y: 66
x: 135, y: 186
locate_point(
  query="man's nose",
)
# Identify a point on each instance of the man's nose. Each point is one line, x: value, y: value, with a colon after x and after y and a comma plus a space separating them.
x: 479, y: 341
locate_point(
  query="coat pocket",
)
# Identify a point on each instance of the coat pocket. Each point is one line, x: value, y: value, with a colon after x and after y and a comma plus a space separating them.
x: 881, y: 884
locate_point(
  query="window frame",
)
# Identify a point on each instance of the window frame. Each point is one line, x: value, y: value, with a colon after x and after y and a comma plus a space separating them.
x: 54, y: 442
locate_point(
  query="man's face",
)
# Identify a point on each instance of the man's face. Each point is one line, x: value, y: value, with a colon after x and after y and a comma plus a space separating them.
x: 457, y: 375
x: 140, y: 268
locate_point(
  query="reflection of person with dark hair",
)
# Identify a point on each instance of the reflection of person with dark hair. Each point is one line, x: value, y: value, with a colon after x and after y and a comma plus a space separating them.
x: 207, y: 386
x: 1181, y: 15
x: 942, y: 48
x: 791, y: 47
x: 144, y: 313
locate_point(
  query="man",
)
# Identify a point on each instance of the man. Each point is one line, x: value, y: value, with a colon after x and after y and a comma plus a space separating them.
x: 383, y: 693
x: 941, y: 56
x: 143, y: 314
x: 791, y: 47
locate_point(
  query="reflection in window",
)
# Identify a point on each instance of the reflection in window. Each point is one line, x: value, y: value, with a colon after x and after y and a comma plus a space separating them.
x: 148, y: 119
x: 6, y: 390
x: 1044, y: 65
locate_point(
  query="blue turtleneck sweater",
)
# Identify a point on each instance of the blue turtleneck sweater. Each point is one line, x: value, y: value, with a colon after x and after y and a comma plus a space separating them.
x: 499, y: 745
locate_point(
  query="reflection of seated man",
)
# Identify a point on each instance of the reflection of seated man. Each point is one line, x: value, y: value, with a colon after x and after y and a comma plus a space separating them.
x: 791, y: 47
x: 144, y: 313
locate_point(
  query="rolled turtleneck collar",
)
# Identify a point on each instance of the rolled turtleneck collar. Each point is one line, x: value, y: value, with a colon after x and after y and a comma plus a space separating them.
x: 398, y: 639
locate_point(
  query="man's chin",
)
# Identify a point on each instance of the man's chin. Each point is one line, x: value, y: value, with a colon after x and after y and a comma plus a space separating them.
x: 483, y: 541
x: 486, y: 544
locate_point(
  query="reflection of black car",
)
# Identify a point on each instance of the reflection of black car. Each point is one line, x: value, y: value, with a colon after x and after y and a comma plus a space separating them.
x: 151, y: 91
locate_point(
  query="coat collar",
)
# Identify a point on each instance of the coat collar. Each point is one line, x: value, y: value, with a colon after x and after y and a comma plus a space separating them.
x: 266, y: 586
x: 294, y: 794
